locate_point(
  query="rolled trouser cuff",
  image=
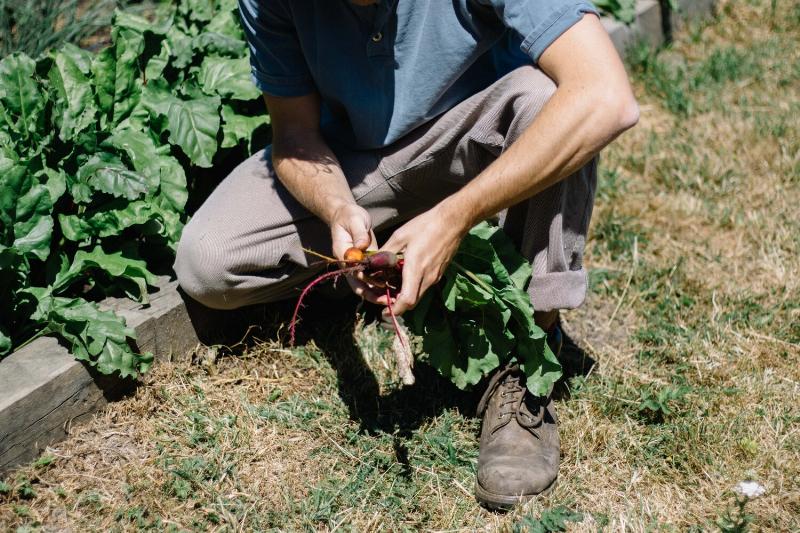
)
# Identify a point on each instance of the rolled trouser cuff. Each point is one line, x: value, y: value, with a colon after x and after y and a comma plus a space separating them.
x: 558, y: 290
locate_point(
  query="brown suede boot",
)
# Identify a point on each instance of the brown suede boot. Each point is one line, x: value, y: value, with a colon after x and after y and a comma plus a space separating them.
x: 519, y: 446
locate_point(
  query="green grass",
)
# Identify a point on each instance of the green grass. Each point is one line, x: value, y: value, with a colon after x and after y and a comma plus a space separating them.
x: 34, y: 27
x: 693, y: 321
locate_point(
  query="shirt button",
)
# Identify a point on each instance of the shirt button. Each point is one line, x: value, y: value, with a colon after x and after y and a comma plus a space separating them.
x: 377, y: 37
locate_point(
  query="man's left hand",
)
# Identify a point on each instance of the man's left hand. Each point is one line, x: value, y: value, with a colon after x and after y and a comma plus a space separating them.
x: 428, y: 243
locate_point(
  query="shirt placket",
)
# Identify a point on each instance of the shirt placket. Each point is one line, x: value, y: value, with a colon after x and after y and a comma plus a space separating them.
x: 379, y: 43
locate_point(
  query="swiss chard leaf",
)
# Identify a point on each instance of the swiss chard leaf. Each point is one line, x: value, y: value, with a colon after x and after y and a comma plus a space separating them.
x: 20, y: 95
x: 106, y: 173
x: 75, y: 105
x: 104, y: 69
x: 115, y: 265
x: 480, y: 317
x: 128, y: 45
x: 25, y: 211
x: 153, y: 162
x: 238, y: 129
x: 97, y: 337
x: 193, y: 125
x: 228, y: 77
x: 112, y: 218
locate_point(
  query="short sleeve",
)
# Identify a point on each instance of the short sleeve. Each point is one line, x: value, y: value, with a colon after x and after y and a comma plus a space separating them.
x: 276, y: 58
x: 539, y: 22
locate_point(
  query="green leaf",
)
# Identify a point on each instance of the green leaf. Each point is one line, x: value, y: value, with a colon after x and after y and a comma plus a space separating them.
x: 75, y: 105
x: 518, y: 268
x: 34, y: 225
x: 180, y: 46
x: 21, y: 99
x: 153, y: 162
x: 128, y: 45
x: 483, y: 317
x: 197, y: 10
x: 193, y: 125
x: 228, y: 77
x: 157, y: 64
x: 104, y: 78
x: 113, y: 218
x: 227, y: 24
x: 97, y: 337
x: 56, y: 183
x: 156, y: 98
x: 25, y: 211
x: 210, y: 42
x: 115, y: 265
x: 124, y: 19
x: 106, y: 173
x: 5, y: 342
x: 238, y: 128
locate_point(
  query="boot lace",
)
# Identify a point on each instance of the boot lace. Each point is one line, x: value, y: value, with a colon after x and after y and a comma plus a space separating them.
x: 515, y: 402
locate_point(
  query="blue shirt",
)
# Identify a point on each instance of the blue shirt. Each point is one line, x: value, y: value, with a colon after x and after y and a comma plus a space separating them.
x: 383, y: 70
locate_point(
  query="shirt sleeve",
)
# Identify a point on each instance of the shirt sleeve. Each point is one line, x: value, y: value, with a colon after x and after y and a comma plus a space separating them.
x: 539, y: 22
x: 276, y: 58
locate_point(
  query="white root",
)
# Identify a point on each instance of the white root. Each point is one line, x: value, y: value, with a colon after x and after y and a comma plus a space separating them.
x: 401, y: 347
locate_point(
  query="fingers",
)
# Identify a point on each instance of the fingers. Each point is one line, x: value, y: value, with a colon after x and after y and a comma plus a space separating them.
x: 366, y: 291
x: 360, y: 228
x: 410, y: 293
x: 396, y: 242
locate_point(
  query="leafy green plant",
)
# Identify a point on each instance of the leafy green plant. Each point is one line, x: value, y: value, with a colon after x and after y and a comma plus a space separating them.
x: 94, y: 153
x: 551, y: 520
x: 657, y: 405
x: 622, y: 10
x: 479, y: 316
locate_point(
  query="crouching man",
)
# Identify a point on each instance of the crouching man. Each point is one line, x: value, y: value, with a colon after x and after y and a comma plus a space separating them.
x: 429, y: 116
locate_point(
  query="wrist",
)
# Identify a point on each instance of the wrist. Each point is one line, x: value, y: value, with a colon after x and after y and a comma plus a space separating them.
x: 457, y: 214
x: 339, y: 209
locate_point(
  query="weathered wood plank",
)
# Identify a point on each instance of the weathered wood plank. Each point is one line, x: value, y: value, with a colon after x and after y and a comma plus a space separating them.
x: 44, y: 390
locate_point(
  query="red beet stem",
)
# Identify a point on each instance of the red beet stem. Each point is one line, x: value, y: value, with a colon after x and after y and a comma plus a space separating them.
x: 328, y: 275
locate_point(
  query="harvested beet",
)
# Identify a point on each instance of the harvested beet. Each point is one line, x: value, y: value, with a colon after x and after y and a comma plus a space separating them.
x: 383, y: 270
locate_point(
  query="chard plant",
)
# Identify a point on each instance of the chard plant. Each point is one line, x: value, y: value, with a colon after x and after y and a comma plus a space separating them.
x: 95, y: 150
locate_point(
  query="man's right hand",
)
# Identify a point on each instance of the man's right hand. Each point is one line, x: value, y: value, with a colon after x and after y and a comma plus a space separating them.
x: 351, y: 227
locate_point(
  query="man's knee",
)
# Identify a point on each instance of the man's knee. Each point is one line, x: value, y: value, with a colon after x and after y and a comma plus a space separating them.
x: 204, y: 268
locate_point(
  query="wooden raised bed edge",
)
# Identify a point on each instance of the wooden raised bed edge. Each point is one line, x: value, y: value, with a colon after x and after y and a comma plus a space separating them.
x: 44, y: 391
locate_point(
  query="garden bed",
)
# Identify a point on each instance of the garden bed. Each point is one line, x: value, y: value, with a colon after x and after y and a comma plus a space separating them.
x: 45, y: 391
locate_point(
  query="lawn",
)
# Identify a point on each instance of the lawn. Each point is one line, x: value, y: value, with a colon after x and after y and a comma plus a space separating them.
x: 683, y: 374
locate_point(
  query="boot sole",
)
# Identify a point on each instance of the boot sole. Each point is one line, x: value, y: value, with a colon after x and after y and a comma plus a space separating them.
x: 504, y: 502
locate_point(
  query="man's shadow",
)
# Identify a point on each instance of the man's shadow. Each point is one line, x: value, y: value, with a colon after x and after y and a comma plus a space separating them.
x: 328, y: 322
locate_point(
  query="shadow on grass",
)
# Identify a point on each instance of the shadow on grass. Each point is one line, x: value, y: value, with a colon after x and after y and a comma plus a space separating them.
x: 575, y: 362
x: 328, y: 322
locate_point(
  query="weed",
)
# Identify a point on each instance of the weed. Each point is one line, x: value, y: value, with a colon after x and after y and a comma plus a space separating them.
x: 656, y: 405
x: 735, y: 519
x: 550, y: 520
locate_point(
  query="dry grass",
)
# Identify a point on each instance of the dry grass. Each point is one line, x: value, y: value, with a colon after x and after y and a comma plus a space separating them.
x: 694, y: 320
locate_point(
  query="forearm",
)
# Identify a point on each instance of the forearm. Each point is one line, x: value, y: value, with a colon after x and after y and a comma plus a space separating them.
x: 308, y: 168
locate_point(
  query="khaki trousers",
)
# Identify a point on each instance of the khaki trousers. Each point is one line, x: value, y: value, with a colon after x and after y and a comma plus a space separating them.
x: 244, y: 244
